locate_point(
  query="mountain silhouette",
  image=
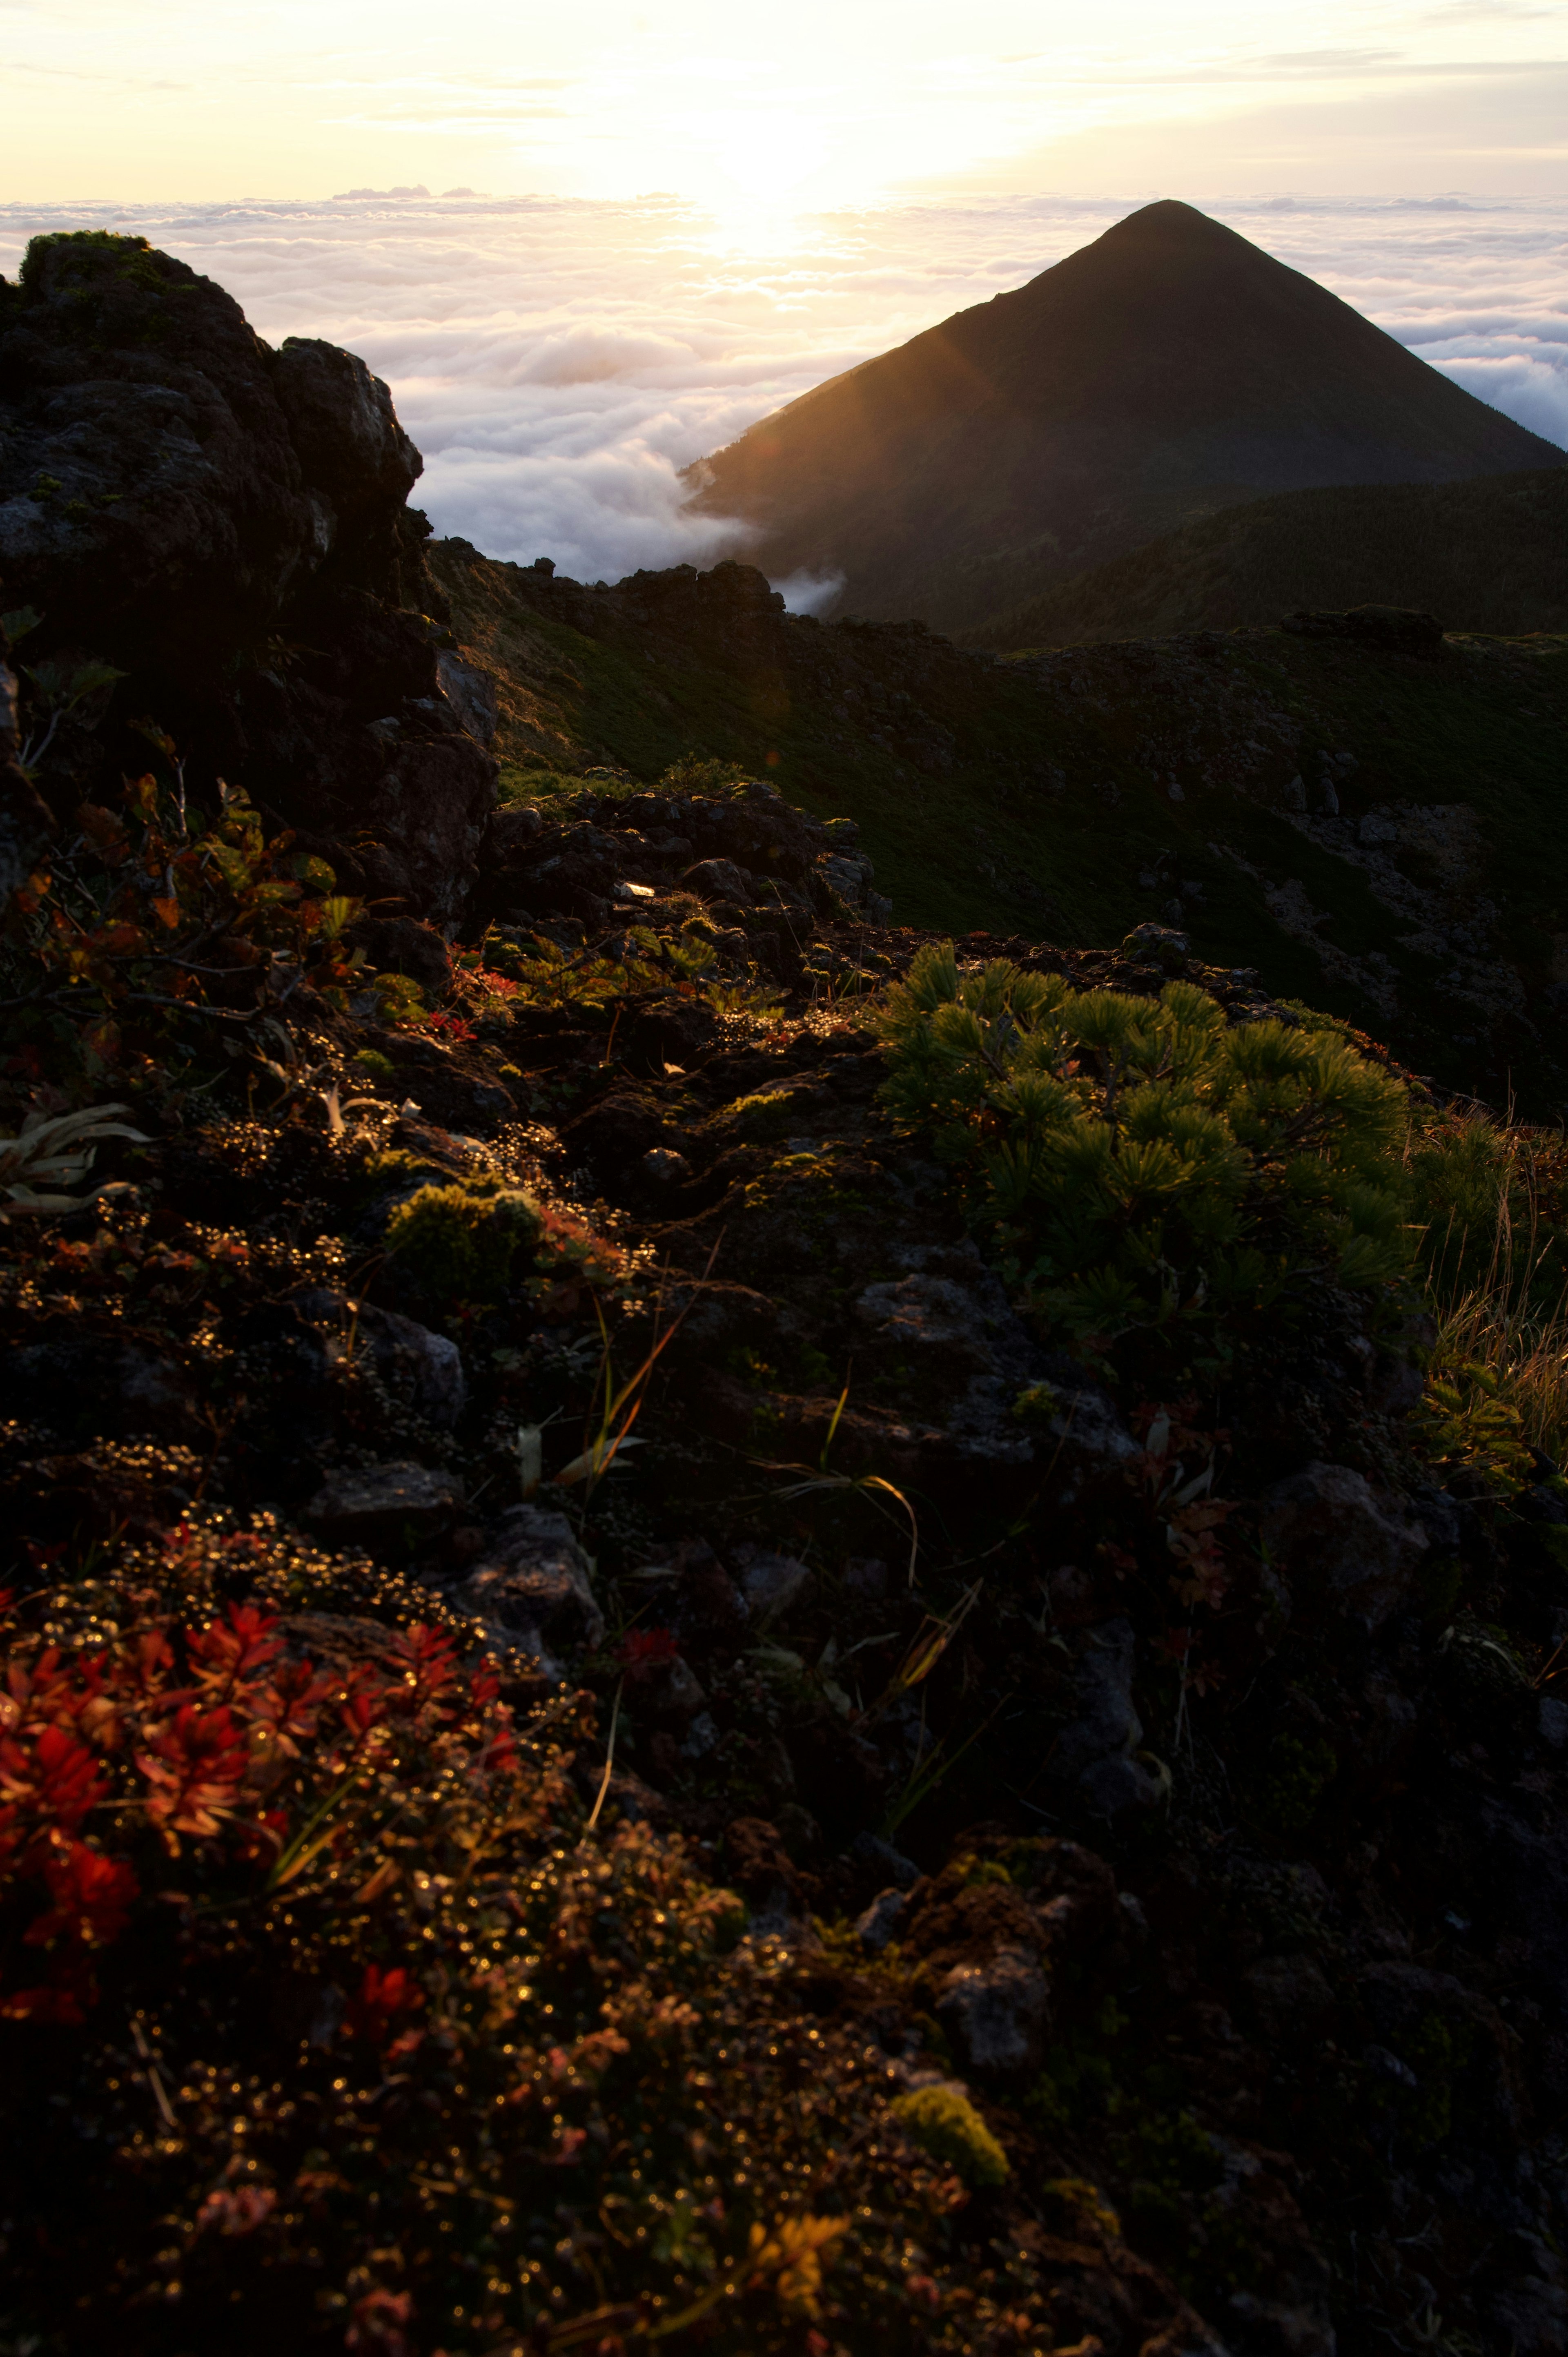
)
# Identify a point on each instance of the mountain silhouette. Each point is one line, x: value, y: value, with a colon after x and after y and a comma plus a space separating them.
x: 1168, y: 370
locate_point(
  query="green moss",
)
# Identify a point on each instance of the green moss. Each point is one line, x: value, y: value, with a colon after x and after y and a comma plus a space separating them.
x: 458, y: 1244
x: 945, y: 2123
x: 378, y: 1067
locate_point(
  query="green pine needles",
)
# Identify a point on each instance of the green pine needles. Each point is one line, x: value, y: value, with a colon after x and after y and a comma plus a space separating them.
x: 1148, y: 1163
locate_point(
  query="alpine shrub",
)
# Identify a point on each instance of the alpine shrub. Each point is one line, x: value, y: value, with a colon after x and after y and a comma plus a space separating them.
x: 1146, y: 1161
x: 944, y: 2122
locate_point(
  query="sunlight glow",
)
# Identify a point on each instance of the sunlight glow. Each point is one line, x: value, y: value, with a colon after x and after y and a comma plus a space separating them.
x: 833, y: 101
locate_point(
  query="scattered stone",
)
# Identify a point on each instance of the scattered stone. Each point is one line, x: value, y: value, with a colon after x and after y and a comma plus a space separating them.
x: 534, y: 1585
x: 995, y: 2012
x: 1095, y: 1750
x: 1336, y: 1543
x: 384, y: 1506
x: 878, y: 1925
x: 769, y: 1583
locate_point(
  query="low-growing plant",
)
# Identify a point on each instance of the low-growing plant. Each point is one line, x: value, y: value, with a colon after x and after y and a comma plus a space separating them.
x: 944, y: 2122
x: 156, y: 918
x: 465, y: 1240
x: 1146, y: 1162
x: 326, y: 2022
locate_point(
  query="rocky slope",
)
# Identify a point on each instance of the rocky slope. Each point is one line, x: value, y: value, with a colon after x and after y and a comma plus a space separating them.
x: 1165, y: 370
x: 614, y: 1731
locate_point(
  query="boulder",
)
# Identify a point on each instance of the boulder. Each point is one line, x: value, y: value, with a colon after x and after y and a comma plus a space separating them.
x: 534, y: 1584
x: 768, y: 1583
x: 719, y: 880
x: 1095, y: 1751
x: 173, y: 495
x: 380, y: 1506
x: 995, y: 2012
x: 424, y: 1368
x: 1339, y: 1544
x: 879, y: 1921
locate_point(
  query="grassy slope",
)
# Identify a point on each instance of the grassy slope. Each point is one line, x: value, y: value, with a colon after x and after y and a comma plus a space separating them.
x: 1490, y: 554
x: 1018, y: 834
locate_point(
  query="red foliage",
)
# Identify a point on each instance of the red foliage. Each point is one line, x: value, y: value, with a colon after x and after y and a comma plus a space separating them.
x: 451, y: 1026
x: 382, y: 1996
x: 643, y: 1651
x: 186, y: 1736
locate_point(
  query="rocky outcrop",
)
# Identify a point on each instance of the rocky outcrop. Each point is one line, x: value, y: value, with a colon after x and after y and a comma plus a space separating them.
x: 227, y: 526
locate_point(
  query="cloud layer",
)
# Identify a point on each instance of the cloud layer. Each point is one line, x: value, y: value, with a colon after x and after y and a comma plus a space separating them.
x: 558, y: 361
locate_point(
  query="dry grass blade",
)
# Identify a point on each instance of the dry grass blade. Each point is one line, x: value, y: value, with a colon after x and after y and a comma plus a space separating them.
x: 863, y: 1483
x: 599, y: 1453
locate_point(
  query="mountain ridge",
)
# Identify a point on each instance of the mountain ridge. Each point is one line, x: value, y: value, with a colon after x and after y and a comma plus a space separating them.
x: 1488, y: 553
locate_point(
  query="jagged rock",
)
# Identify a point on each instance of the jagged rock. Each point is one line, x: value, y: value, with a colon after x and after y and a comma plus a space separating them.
x: 471, y: 693
x: 878, y: 1923
x: 972, y: 1356
x: 718, y: 879
x: 384, y: 1506
x: 533, y: 1586
x: 769, y: 1583
x: 995, y: 2012
x: 431, y: 1363
x: 171, y: 491
x: 404, y: 945
x: 874, y: 1855
x: 1291, y: 1997
x: 428, y: 811
x: 1335, y: 1544
x: 1094, y: 1751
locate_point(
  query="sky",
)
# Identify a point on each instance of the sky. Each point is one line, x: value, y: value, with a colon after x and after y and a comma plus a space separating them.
x: 586, y: 245
x: 820, y: 104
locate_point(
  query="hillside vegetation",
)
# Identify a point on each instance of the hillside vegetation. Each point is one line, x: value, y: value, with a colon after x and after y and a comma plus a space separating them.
x: 1370, y: 823
x: 1490, y: 554
x: 727, y: 1622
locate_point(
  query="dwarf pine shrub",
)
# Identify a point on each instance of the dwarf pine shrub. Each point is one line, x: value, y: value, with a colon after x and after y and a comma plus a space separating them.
x: 1145, y: 1161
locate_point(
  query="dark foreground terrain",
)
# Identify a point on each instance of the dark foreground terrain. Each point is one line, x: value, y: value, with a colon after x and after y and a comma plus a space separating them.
x: 725, y: 1623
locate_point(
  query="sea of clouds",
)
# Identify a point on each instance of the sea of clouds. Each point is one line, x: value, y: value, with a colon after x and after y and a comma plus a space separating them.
x: 559, y: 361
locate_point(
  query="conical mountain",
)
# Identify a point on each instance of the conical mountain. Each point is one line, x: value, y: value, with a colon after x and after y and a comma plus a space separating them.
x: 1169, y: 369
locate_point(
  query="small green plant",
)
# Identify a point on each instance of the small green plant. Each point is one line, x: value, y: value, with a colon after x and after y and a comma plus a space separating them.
x: 944, y: 2122
x: 1146, y: 1162
x: 462, y: 1241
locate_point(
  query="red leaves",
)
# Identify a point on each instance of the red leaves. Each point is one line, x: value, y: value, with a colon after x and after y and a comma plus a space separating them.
x: 91, y: 1897
x: 382, y: 1996
x: 451, y: 1026
x: 195, y: 1765
x: 240, y: 1647
x: 55, y: 1776
x: 378, y: 2322
x: 643, y: 1651
x: 191, y: 1737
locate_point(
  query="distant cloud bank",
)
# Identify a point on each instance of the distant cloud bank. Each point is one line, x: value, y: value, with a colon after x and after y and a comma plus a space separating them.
x: 560, y: 361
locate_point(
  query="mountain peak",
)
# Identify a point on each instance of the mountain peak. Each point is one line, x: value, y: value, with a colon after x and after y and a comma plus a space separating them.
x: 1167, y: 369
